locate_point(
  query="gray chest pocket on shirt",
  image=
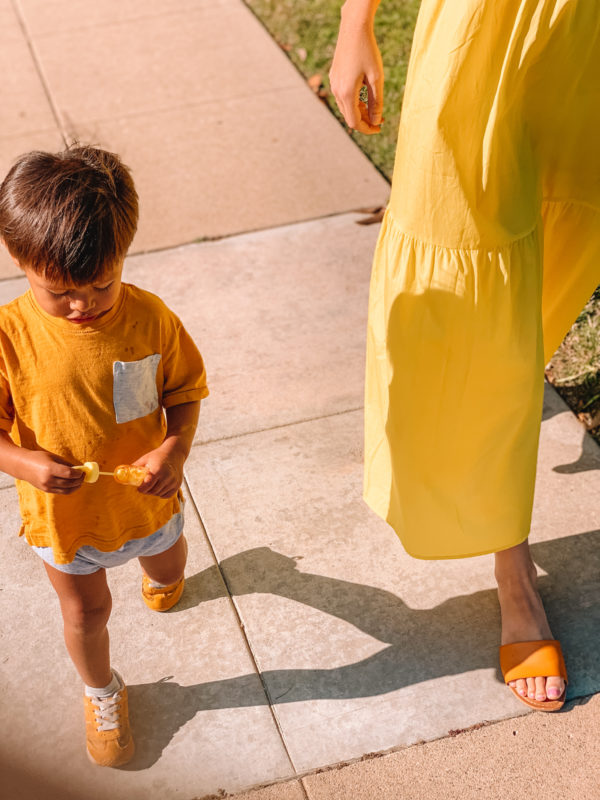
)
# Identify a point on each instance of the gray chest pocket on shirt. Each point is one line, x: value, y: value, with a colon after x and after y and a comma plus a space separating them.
x: 134, y: 388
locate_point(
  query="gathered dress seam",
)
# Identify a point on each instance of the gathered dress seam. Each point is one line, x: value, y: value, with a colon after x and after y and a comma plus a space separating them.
x: 481, y: 248
x: 569, y: 201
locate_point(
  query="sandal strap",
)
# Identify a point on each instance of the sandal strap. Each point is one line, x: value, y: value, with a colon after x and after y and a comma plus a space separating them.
x: 538, y: 659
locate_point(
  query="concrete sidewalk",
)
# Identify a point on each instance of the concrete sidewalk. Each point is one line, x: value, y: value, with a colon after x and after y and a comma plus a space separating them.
x: 306, y: 637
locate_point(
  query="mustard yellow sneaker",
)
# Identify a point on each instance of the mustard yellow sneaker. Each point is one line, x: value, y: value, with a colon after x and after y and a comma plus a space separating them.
x: 161, y: 598
x: 107, y: 732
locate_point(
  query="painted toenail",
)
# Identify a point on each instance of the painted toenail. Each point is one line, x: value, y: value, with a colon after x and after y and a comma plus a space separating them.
x: 553, y: 692
x: 522, y: 692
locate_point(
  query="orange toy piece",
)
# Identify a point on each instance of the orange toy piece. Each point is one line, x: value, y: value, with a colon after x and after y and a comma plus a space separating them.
x: 130, y: 475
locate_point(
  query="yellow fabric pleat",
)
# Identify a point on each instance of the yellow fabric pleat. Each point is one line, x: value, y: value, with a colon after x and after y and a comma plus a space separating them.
x: 489, y: 248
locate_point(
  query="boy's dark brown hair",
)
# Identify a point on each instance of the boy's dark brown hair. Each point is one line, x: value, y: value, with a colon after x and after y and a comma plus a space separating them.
x: 68, y: 216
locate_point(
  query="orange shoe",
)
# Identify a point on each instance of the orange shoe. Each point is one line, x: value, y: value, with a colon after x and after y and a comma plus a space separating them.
x: 161, y: 598
x: 531, y: 660
x: 107, y: 732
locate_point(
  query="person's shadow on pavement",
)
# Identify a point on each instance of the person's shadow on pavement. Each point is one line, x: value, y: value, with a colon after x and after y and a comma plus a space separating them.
x: 589, y: 457
x: 457, y: 636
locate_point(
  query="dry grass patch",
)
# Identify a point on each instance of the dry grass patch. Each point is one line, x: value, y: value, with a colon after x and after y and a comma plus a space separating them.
x: 575, y: 368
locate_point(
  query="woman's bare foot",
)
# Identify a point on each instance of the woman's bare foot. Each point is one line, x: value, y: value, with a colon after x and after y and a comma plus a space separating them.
x: 523, y: 615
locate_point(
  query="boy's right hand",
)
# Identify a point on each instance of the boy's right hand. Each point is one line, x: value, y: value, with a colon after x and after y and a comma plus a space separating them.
x: 50, y: 473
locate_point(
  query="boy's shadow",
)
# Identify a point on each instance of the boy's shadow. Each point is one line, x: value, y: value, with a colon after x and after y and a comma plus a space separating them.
x: 457, y: 636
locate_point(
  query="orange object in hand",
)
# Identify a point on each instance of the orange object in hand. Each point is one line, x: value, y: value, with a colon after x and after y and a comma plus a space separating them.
x: 130, y: 475
x: 124, y: 473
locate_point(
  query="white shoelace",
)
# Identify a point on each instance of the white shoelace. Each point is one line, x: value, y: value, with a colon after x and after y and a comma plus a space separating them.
x: 107, y: 715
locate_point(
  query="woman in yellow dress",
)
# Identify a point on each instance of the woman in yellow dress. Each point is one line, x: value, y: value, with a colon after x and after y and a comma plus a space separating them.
x: 488, y: 250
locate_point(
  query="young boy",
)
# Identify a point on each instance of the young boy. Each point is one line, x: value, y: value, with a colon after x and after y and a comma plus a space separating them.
x: 87, y: 365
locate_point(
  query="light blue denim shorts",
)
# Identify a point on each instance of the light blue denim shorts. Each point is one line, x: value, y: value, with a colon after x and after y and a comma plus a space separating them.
x: 88, y: 559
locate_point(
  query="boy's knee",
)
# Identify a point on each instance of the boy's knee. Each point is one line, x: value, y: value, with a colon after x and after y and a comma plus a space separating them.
x: 87, y: 617
x: 167, y: 567
x: 165, y: 576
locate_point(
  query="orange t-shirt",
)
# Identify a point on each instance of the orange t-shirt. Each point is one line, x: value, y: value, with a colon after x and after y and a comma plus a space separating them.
x: 94, y: 393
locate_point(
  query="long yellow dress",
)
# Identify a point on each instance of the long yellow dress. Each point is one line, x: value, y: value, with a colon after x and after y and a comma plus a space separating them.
x: 489, y: 248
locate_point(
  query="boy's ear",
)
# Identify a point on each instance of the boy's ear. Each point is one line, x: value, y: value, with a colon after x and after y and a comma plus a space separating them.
x: 3, y: 243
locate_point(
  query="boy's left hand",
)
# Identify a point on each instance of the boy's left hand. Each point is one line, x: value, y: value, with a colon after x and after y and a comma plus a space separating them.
x: 165, y: 472
x: 165, y: 463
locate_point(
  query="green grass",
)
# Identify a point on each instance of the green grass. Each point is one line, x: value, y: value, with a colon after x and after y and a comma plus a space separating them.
x: 307, y: 31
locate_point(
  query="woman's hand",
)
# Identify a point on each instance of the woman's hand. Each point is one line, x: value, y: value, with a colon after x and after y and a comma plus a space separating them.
x: 357, y: 62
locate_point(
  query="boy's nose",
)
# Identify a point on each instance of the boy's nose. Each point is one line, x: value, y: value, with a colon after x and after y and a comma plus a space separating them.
x: 81, y: 304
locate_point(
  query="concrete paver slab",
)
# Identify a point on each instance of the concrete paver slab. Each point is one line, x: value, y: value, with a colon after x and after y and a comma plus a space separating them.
x: 160, y: 62
x: 198, y: 708
x: 280, y: 318
x: 24, y: 103
x: 193, y: 182
x: 538, y: 755
x: 361, y: 647
x: 51, y: 16
x: 12, y: 32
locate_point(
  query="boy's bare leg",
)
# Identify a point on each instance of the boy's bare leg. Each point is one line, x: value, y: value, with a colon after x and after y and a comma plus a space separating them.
x: 167, y: 567
x: 85, y: 603
x: 523, y: 615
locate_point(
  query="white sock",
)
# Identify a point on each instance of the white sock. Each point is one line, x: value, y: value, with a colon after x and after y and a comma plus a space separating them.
x: 156, y: 584
x: 105, y: 691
